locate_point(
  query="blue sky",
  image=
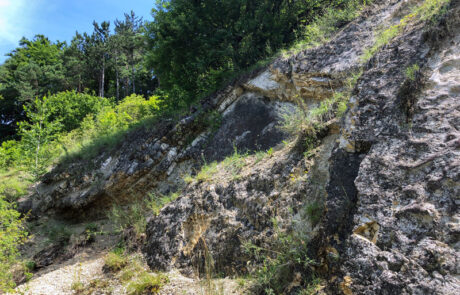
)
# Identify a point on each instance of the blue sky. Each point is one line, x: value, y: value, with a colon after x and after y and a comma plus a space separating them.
x: 59, y: 19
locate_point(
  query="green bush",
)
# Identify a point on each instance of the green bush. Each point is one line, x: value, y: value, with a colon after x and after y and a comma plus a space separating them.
x: 12, y: 234
x: 70, y: 107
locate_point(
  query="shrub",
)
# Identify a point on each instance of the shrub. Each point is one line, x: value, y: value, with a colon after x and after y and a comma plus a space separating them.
x: 70, y: 107
x: 12, y: 234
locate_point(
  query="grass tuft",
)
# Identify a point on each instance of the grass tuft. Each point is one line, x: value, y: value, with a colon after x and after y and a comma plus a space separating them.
x: 427, y: 10
x: 115, y: 260
x: 147, y: 283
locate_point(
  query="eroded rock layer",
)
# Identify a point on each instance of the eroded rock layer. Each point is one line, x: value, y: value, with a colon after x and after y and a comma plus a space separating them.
x: 387, y: 175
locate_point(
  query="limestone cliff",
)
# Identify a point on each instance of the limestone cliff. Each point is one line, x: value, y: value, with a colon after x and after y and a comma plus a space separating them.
x: 385, y: 178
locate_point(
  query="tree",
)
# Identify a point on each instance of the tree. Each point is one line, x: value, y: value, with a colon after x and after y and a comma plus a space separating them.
x: 196, y: 45
x: 33, y: 69
x: 75, y: 64
x: 131, y: 42
x: 37, y: 133
x: 100, y: 48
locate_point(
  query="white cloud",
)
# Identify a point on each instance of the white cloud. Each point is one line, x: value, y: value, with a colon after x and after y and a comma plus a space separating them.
x: 15, y: 20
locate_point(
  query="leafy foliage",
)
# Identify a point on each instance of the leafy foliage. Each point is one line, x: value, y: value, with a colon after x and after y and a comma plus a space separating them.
x: 12, y: 234
x: 37, y: 134
x: 196, y: 45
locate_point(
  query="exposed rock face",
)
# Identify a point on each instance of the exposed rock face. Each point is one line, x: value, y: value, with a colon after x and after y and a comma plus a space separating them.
x: 402, y: 236
x: 389, y: 179
x: 160, y: 158
x: 219, y: 216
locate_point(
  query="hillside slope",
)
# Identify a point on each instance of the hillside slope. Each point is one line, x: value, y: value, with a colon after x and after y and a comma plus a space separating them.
x: 374, y: 194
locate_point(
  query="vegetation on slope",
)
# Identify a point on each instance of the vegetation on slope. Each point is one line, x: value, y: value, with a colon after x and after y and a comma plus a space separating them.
x: 49, y: 111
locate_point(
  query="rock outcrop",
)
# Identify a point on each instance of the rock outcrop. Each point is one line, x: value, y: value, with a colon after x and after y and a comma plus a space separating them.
x: 387, y: 176
x: 402, y: 236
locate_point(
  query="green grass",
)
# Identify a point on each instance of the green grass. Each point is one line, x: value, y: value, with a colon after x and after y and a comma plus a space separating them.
x: 58, y: 233
x: 14, y: 184
x: 304, y: 120
x: 427, y: 10
x: 286, y: 256
x: 314, y: 211
x: 115, y: 261
x: 132, y: 215
x: 147, y: 283
x: 231, y: 165
x: 412, y: 71
x: 156, y: 203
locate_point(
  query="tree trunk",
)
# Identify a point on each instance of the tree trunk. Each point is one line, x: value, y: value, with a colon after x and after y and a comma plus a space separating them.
x: 101, y: 85
x: 134, y: 85
x: 118, y: 84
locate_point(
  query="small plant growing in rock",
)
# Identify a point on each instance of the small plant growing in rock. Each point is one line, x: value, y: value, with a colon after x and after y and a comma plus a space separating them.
x: 156, y: 203
x: 129, y: 216
x: 314, y: 211
x: 58, y: 233
x: 412, y: 71
x: 270, y: 152
x: 281, y: 262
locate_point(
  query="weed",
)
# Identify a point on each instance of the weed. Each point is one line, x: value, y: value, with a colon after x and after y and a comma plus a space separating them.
x: 270, y: 152
x: 212, y: 120
x: 77, y: 284
x: 78, y: 287
x: 96, y: 286
x: 286, y: 257
x: 314, y: 287
x: 314, y: 212
x: 115, y: 260
x: 156, y: 203
x: 231, y: 165
x: 412, y: 71
x: 129, y: 216
x: 58, y: 233
x: 147, y: 283
x: 30, y: 265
